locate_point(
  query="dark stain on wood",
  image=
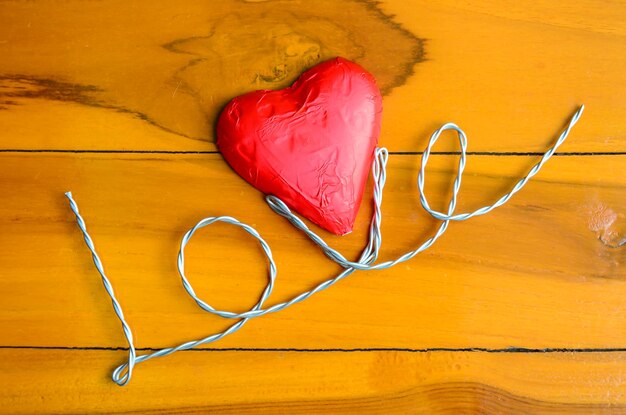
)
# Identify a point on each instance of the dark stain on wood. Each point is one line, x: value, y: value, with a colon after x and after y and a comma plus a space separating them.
x: 18, y: 87
x: 283, y: 42
x: 23, y: 86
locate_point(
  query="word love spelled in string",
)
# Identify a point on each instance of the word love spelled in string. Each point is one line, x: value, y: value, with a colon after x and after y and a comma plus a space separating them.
x: 367, y: 260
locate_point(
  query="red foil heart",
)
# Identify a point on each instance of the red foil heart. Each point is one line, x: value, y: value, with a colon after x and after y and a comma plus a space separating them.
x: 311, y: 144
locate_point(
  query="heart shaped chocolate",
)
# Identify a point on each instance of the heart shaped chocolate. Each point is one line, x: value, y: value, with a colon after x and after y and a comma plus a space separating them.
x: 310, y: 144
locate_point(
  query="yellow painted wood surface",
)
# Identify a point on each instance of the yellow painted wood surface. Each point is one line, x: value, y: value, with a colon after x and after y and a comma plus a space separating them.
x: 322, y: 382
x: 519, y: 311
x: 145, y: 75
x: 489, y: 282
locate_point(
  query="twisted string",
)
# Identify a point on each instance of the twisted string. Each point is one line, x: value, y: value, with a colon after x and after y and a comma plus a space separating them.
x: 123, y: 373
x: 132, y: 354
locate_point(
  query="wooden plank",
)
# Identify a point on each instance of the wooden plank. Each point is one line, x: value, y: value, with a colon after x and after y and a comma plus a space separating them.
x: 72, y: 381
x: 153, y: 75
x: 543, y: 271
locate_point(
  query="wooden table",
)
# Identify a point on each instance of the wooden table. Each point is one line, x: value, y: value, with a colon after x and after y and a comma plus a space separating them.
x: 519, y: 311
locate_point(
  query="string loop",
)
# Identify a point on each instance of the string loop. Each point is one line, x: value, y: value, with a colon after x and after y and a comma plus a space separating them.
x: 123, y: 373
x: 266, y: 249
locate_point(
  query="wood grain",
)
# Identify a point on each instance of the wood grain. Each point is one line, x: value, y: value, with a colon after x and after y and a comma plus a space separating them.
x: 64, y: 381
x: 517, y: 312
x: 544, y: 271
x: 154, y: 75
x: 102, y: 56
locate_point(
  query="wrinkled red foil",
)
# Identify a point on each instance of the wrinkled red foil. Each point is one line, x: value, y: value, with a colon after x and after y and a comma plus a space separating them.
x: 311, y: 144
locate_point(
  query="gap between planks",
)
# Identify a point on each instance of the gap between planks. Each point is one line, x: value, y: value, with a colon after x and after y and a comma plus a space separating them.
x: 395, y: 153
x: 511, y: 350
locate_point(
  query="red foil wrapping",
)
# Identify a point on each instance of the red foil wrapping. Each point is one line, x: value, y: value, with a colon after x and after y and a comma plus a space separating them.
x: 311, y: 144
